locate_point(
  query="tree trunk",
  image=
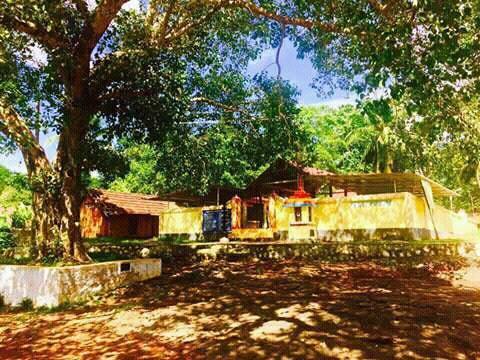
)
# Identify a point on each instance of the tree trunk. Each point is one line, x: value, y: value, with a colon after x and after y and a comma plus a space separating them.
x: 478, y: 175
x: 45, y: 226
x: 69, y: 167
x: 388, y: 160
x: 377, y: 157
x: 42, y: 178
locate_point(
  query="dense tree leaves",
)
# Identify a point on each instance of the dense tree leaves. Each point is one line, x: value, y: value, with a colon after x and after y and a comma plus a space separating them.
x: 225, y: 146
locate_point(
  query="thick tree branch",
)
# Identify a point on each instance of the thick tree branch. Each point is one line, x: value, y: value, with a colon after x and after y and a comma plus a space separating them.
x: 214, y: 6
x: 44, y: 37
x: 13, y: 126
x: 99, y: 21
x: 286, y: 20
x: 187, y: 26
x: 165, y: 20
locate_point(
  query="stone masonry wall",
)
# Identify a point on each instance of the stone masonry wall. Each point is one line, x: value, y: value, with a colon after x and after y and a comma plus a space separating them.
x: 329, y: 252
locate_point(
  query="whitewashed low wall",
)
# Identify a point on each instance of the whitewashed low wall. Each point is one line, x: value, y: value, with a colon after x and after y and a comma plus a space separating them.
x: 51, y: 286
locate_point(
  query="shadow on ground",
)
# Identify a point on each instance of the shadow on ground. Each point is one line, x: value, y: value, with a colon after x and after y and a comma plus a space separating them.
x: 289, y: 309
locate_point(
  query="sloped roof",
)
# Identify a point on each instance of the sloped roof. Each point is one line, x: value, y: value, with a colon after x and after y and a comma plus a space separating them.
x: 118, y: 203
x: 281, y: 176
x: 386, y: 183
x: 306, y: 170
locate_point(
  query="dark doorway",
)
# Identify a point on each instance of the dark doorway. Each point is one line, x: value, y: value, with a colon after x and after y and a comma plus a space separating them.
x: 255, y: 216
x: 132, y: 225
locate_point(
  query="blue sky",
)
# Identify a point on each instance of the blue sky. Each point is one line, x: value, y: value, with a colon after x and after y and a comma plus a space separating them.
x: 299, y: 72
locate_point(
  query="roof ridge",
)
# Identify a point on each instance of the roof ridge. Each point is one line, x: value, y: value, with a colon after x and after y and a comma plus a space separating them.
x: 123, y: 192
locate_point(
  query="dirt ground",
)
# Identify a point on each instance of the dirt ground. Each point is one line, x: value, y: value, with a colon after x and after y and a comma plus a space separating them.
x: 259, y: 310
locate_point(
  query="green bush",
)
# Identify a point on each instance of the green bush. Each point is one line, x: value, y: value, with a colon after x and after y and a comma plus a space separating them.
x: 21, y: 217
x: 26, y: 304
x: 6, y: 238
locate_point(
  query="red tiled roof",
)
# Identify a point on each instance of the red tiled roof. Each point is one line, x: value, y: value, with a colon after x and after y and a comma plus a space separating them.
x: 116, y: 203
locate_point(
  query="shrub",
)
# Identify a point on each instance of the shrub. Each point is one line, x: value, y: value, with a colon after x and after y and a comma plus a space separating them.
x: 26, y: 304
x: 21, y: 217
x: 6, y: 238
x: 2, y: 302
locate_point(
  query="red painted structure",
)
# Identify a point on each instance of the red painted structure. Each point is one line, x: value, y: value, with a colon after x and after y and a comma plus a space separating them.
x: 117, y: 214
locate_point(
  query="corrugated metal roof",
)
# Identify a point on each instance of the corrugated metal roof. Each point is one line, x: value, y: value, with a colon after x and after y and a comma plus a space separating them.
x: 386, y: 183
x: 117, y: 203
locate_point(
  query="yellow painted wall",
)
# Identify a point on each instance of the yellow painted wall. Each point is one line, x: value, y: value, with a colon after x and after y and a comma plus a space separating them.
x: 390, y: 211
x: 383, y: 211
x: 252, y: 233
x: 282, y: 215
x: 364, y: 212
x: 183, y: 220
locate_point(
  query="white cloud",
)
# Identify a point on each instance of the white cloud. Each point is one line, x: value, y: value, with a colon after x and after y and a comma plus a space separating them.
x: 132, y: 5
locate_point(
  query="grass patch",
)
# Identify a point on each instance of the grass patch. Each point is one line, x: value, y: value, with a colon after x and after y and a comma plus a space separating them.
x: 176, y: 239
x: 100, y: 256
x: 65, y: 306
x: 118, y: 241
x: 15, y: 261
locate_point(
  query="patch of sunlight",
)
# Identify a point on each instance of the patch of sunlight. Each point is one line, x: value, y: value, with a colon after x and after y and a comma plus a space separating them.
x: 126, y: 322
x: 206, y: 320
x: 429, y: 331
x: 204, y: 305
x: 274, y: 331
x: 180, y: 332
x: 295, y: 312
x: 87, y: 320
x: 323, y: 314
x: 310, y: 271
x: 338, y: 352
x: 243, y: 319
x: 468, y: 277
x: 247, y: 317
x: 402, y: 352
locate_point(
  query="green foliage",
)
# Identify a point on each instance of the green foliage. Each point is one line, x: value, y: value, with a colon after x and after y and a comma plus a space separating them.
x: 177, y: 81
x: 225, y: 147
x: 21, y: 216
x: 353, y: 139
x: 339, y: 139
x: 142, y: 176
x: 7, y: 240
x: 15, y: 198
x: 107, y: 256
x: 26, y: 304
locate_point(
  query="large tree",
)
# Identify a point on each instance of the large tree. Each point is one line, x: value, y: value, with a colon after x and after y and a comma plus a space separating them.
x: 107, y: 73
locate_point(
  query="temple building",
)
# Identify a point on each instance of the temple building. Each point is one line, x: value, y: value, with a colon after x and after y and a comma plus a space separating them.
x: 290, y: 202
